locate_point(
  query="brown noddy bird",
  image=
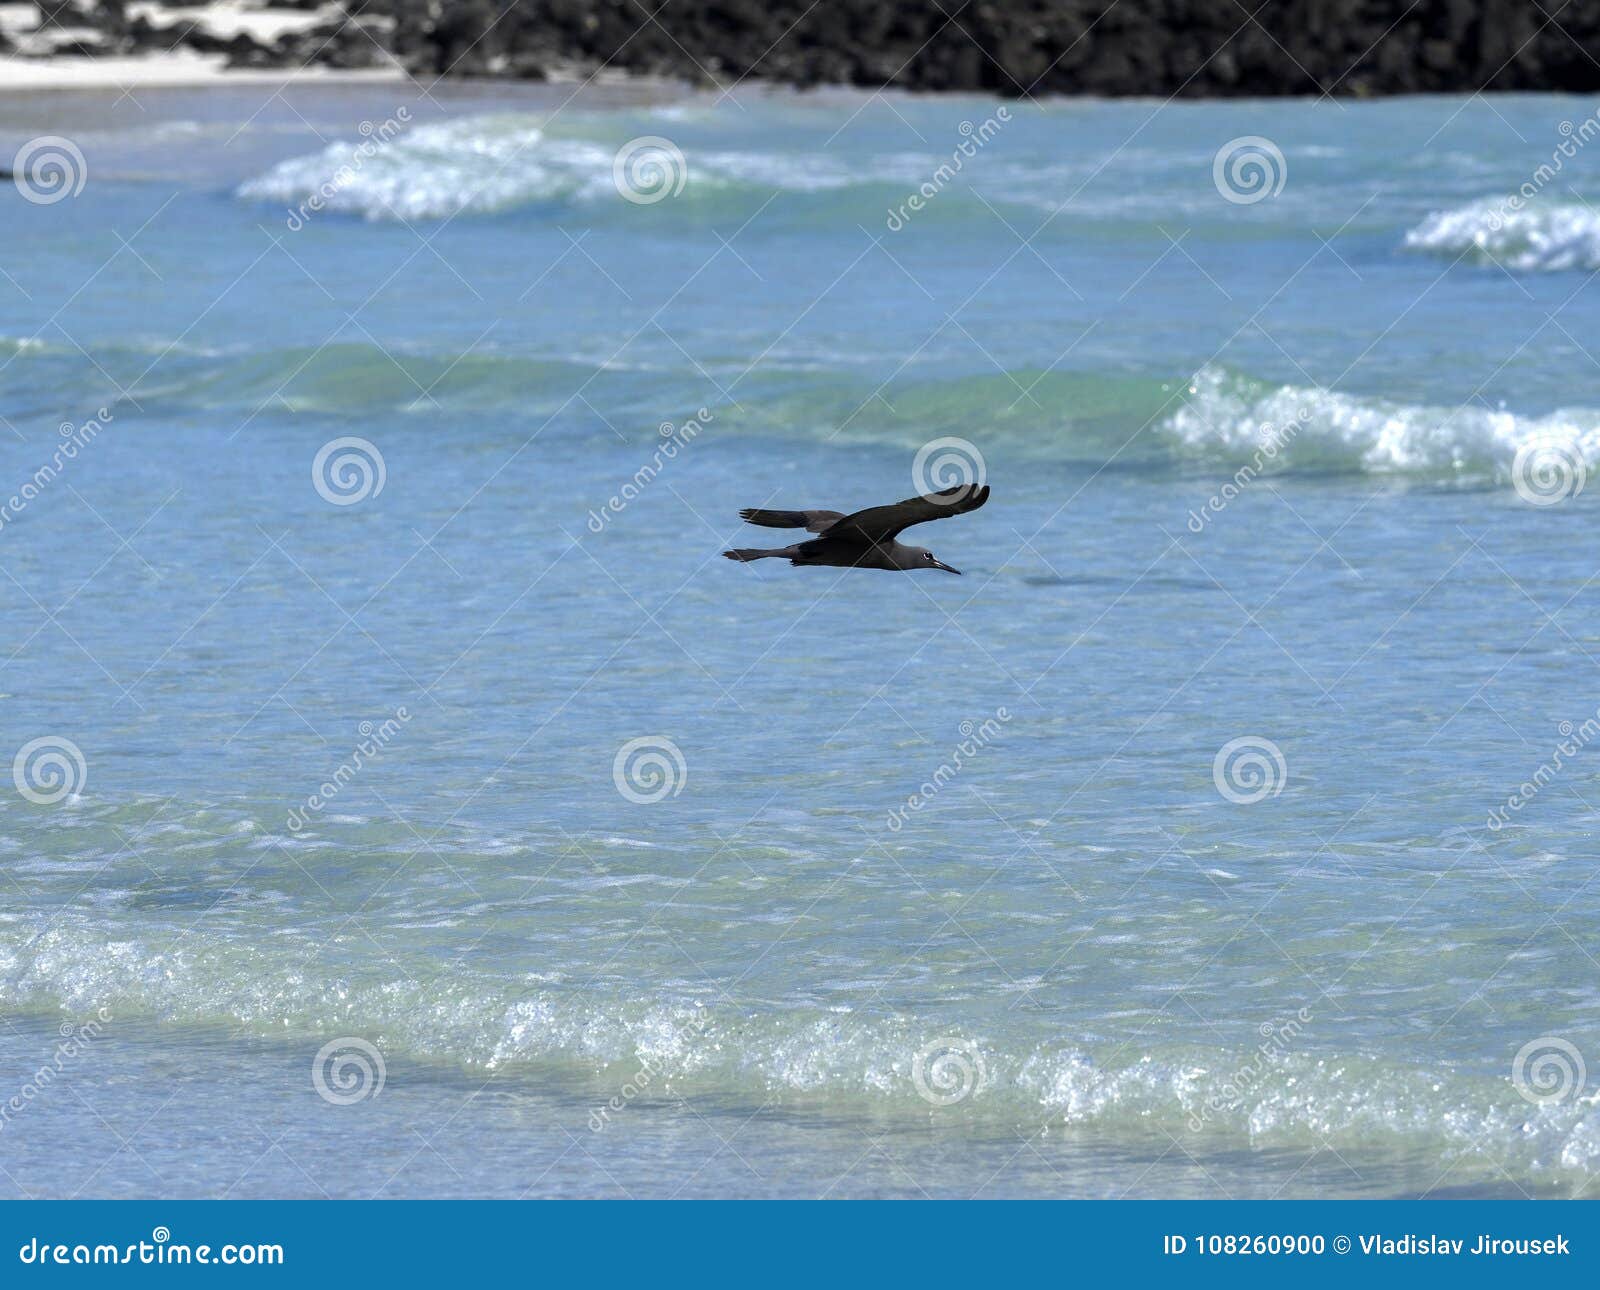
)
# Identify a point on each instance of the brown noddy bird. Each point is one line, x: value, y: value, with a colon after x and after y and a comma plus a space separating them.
x: 865, y: 540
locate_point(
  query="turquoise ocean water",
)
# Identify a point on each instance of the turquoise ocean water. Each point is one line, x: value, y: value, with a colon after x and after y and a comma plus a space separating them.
x: 1181, y: 847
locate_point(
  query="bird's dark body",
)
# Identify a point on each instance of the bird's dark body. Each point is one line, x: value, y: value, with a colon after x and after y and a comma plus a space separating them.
x: 866, y: 539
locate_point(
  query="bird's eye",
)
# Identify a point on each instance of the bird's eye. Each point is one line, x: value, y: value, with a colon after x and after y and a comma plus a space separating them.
x: 928, y: 556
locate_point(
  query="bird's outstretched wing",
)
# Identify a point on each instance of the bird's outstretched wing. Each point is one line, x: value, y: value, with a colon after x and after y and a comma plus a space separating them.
x: 811, y: 521
x: 884, y: 523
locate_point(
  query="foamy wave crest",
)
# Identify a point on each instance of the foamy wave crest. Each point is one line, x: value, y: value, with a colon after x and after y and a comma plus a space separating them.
x: 476, y: 164
x: 491, y: 163
x: 805, y: 1056
x: 1227, y: 417
x: 1546, y: 237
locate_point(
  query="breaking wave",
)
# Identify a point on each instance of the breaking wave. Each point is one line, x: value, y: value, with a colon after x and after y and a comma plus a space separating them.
x: 802, y: 1056
x: 1544, y: 238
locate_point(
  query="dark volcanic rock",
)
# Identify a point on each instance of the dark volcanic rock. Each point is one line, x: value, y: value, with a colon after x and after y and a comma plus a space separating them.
x: 1017, y: 48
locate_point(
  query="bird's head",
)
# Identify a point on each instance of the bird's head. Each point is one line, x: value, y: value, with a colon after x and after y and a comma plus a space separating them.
x: 922, y: 558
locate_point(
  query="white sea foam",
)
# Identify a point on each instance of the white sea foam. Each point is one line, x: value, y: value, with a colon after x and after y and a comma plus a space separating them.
x: 1543, y: 237
x: 486, y: 164
x: 476, y: 164
x: 1228, y: 417
x: 806, y: 1054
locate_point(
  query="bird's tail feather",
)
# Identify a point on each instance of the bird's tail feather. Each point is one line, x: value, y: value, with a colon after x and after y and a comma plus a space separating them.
x: 746, y: 554
x: 774, y: 519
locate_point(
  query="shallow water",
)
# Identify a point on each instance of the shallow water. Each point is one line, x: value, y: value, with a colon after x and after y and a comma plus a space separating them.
x: 1076, y: 965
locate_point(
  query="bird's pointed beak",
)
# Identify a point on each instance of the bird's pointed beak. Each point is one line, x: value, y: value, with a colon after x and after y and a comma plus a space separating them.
x: 940, y: 564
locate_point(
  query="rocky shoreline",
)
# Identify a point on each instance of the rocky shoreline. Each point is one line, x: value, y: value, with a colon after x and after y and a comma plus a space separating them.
x: 1014, y: 48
